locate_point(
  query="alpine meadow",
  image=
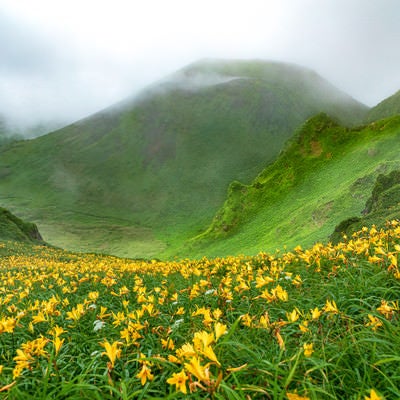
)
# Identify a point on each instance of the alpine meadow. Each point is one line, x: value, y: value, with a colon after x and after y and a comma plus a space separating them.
x: 231, y: 232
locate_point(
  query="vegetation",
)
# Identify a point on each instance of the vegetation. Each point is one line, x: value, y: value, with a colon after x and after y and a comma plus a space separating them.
x: 142, y: 177
x: 383, y: 204
x: 317, y: 318
x: 319, y: 323
x: 13, y: 228
x: 326, y: 173
x: 386, y: 108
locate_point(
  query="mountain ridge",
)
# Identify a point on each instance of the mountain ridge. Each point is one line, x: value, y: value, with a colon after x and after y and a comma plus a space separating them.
x: 386, y: 108
x: 325, y: 174
x: 13, y: 228
x: 157, y: 167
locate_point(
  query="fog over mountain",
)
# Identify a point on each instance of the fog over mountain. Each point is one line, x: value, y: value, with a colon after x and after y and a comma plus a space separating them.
x: 64, y: 60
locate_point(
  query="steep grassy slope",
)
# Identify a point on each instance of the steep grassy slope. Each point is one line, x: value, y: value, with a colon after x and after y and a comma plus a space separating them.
x: 15, y: 229
x: 152, y: 171
x: 325, y: 175
x: 386, y: 108
x: 382, y: 206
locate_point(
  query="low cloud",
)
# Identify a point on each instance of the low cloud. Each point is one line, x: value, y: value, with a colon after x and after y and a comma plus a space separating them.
x: 62, y: 61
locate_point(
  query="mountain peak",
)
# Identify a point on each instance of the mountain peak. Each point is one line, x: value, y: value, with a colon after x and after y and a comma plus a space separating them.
x: 386, y: 108
x: 160, y: 165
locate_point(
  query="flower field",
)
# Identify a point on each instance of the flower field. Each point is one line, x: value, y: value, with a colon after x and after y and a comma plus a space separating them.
x: 318, y: 323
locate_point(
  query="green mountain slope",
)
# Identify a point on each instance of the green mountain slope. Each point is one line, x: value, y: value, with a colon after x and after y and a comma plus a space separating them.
x: 382, y: 206
x: 141, y: 177
x: 325, y: 174
x: 386, y: 108
x: 15, y: 229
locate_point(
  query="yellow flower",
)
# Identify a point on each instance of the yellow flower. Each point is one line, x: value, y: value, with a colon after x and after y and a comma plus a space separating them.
x: 167, y: 344
x: 57, y: 331
x: 293, y: 316
x: 57, y: 344
x: 264, y: 321
x: 294, y: 396
x: 279, y: 338
x: 246, y: 320
x: 297, y: 281
x: 93, y: 296
x: 375, y: 259
x: 308, y: 349
x: 209, y: 353
x: 144, y: 374
x: 202, y: 339
x: 23, y: 360
x: 38, y: 318
x: 112, y: 351
x: 386, y: 309
x: 374, y: 322
x: 194, y: 367
x: 7, y: 325
x: 186, y: 351
x: 280, y: 293
x: 331, y: 307
x: 76, y: 313
x: 304, y: 327
x: 180, y: 311
x: 261, y: 281
x: 373, y: 396
x: 179, y: 380
x: 219, y: 329
x: 173, y: 359
x: 315, y: 314
x: 217, y: 313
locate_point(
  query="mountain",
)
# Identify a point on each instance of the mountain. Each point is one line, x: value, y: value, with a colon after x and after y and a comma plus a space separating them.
x: 383, y: 205
x: 139, y: 178
x: 15, y: 229
x: 386, y: 108
x: 325, y: 174
x: 4, y: 130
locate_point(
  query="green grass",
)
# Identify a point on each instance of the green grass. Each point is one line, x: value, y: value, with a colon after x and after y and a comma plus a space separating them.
x: 14, y: 228
x: 343, y: 300
x: 383, y: 204
x: 326, y: 174
x: 162, y: 163
x: 386, y: 108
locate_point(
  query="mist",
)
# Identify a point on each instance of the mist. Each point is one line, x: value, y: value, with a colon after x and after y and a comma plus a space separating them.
x: 62, y: 61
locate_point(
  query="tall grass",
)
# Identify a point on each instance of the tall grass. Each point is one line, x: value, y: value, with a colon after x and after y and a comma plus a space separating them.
x: 319, y: 323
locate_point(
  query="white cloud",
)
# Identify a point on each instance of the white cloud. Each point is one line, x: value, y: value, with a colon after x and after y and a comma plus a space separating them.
x: 67, y: 59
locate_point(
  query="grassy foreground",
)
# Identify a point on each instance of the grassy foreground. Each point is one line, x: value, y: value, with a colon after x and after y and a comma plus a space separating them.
x: 321, y: 323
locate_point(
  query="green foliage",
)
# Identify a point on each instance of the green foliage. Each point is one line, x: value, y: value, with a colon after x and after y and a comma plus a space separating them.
x: 383, y: 205
x: 325, y: 174
x: 320, y: 323
x: 14, y: 228
x: 157, y: 167
x: 386, y: 108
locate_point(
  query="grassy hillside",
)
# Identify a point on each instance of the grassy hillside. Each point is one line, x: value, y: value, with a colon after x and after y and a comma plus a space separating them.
x: 326, y: 174
x: 14, y: 229
x: 141, y: 177
x: 383, y: 205
x: 386, y: 108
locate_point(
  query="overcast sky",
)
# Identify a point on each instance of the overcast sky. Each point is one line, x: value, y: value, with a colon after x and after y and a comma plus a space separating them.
x: 67, y: 59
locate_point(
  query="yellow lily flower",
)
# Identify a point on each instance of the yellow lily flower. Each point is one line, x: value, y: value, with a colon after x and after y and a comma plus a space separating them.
x: 179, y: 380
x: 194, y: 367
x: 144, y: 374
x: 112, y: 351
x: 219, y: 329
x: 373, y: 396
x: 308, y: 349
